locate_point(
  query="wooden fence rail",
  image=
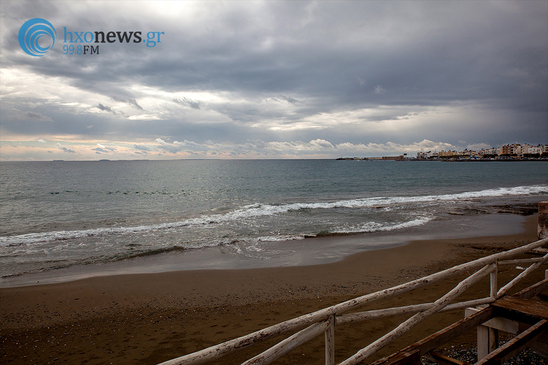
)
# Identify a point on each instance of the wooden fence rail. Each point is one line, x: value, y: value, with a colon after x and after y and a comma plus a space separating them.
x: 311, y: 325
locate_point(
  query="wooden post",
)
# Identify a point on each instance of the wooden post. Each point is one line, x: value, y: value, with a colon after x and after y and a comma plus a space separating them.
x: 493, y: 339
x: 330, y: 341
x: 488, y: 340
x: 492, y: 334
x: 483, y: 341
x: 494, y: 281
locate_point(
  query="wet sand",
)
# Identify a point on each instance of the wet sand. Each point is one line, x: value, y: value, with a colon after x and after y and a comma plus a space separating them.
x: 150, y: 318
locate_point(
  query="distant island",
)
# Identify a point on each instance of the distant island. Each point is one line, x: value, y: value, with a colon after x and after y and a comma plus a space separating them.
x: 513, y: 152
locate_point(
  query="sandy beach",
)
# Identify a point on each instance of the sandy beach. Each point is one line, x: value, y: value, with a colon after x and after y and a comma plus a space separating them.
x: 150, y: 318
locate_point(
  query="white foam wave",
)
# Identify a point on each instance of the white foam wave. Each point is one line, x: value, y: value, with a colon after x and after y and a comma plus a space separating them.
x: 262, y: 210
x: 370, y: 227
x: 281, y: 238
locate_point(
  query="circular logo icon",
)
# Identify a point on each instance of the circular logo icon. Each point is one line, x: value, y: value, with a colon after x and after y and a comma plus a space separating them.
x: 34, y: 32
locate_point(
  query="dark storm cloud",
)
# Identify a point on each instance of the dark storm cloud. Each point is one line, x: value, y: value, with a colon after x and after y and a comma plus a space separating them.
x: 416, y: 52
x: 105, y: 108
x: 300, y: 70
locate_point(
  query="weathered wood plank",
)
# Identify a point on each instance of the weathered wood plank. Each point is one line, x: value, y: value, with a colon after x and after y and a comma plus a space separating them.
x: 500, y: 323
x: 506, y: 325
x: 516, y: 345
x: 530, y: 307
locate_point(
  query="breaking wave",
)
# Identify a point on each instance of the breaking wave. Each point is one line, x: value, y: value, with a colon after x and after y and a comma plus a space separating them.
x: 263, y: 210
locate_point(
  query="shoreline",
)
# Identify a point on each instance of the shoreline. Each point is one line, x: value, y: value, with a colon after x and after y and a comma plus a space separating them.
x: 309, y: 251
x: 149, y: 318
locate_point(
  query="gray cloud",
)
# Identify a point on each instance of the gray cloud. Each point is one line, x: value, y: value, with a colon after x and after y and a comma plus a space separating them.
x: 128, y: 101
x: 343, y: 72
x: 102, y: 149
x: 187, y: 102
x: 64, y: 149
x: 105, y: 108
x: 284, y: 99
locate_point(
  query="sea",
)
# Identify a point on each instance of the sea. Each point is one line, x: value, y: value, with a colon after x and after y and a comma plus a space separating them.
x: 64, y: 220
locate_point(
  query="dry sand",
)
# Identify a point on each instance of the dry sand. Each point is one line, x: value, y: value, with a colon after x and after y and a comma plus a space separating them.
x: 150, y: 318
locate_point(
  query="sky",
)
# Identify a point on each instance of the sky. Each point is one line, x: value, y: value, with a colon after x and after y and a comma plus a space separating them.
x: 272, y: 79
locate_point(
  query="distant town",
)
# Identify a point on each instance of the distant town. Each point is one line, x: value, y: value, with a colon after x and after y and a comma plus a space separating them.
x: 510, y: 152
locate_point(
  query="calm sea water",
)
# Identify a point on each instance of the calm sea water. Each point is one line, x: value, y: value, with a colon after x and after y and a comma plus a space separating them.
x: 60, y: 214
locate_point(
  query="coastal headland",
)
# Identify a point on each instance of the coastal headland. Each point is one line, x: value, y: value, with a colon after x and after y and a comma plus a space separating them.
x: 149, y: 318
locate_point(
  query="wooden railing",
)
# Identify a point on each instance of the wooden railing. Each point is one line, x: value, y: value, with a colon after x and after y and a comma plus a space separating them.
x: 324, y: 321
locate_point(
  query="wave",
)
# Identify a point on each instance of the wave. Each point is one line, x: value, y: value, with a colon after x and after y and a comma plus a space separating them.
x: 371, y: 227
x: 263, y: 210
